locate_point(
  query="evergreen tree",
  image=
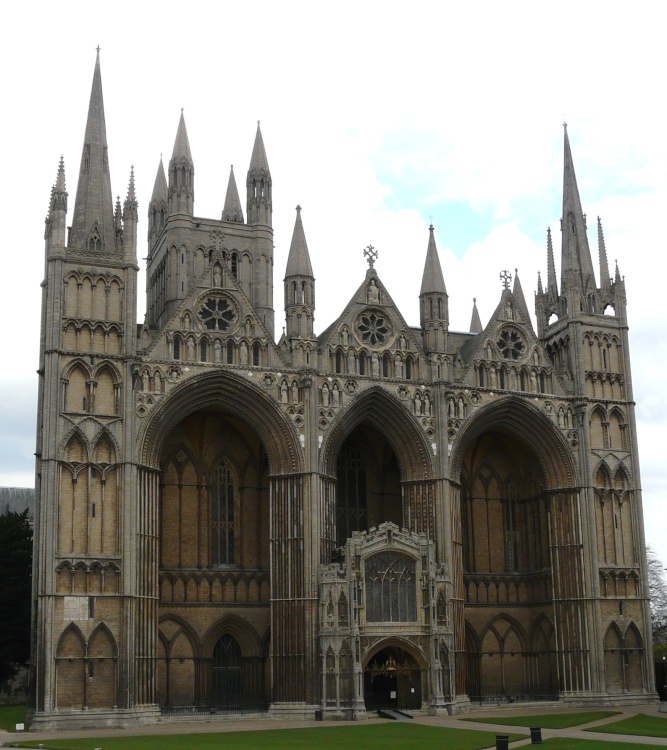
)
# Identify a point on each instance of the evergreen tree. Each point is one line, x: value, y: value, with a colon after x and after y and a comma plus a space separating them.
x: 15, y: 591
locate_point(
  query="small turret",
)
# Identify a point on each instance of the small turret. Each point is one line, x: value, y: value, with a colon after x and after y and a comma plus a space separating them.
x: 232, y: 210
x: 475, y: 321
x: 433, y: 300
x: 181, y: 174
x: 259, y: 206
x: 605, y: 278
x: 130, y: 220
x: 158, y: 207
x: 55, y: 232
x: 519, y: 297
x: 299, y: 286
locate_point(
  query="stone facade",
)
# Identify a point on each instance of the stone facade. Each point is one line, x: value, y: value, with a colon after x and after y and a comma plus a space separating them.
x: 376, y: 515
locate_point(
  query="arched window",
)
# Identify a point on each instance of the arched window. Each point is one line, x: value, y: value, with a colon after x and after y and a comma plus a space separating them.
x: 385, y: 366
x: 362, y: 363
x: 255, y: 354
x: 351, y: 503
x: 177, y: 347
x: 227, y: 666
x: 339, y: 361
x: 235, y: 265
x: 390, y: 588
x: 223, y: 515
x: 408, y: 368
x: 230, y: 352
x: 203, y: 349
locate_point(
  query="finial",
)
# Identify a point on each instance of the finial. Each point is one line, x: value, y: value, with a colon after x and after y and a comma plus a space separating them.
x: 506, y: 278
x: 298, y: 209
x: 474, y: 300
x: 564, y: 124
x: 371, y: 255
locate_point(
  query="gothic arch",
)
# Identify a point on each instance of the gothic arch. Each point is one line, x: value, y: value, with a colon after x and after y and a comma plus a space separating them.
x: 102, y: 437
x: 242, y: 632
x: 185, y: 628
x: 514, y: 625
x: 232, y: 393
x: 396, y: 641
x: 70, y: 442
x: 512, y: 415
x: 389, y: 417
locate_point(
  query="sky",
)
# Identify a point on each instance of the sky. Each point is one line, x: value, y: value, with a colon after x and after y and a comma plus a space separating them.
x: 378, y: 118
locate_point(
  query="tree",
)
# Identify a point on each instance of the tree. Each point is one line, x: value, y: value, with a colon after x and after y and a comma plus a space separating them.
x: 657, y: 589
x: 15, y: 591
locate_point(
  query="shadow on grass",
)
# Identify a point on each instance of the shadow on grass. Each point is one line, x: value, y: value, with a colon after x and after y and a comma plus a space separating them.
x: 547, y: 721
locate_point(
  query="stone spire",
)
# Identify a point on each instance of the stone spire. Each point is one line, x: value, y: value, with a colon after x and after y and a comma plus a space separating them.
x: 299, y: 286
x: 232, y: 210
x: 475, y: 322
x: 432, y: 280
x: 181, y: 173
x: 259, y: 204
x: 93, y: 227
x: 605, y: 279
x: 130, y: 219
x: 576, y: 264
x: 433, y: 302
x: 517, y: 291
x: 298, y: 262
x: 552, y: 284
x: 159, y: 204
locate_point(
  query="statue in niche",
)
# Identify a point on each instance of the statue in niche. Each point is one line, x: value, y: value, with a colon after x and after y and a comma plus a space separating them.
x: 145, y: 382
x: 451, y: 405
x: 325, y: 395
x: 248, y: 327
x: 509, y: 313
x: 295, y: 392
x: 375, y: 365
x: 402, y: 343
x: 191, y: 350
x: 350, y: 361
x: 418, y: 404
x: 284, y: 392
x: 373, y: 291
x: 186, y: 322
x: 561, y: 418
x: 493, y: 377
x: 243, y: 353
x: 427, y: 405
x: 533, y: 381
x: 398, y: 366
x: 217, y: 275
x: 462, y: 408
x: 217, y: 351
x: 157, y: 382
x: 344, y: 337
x: 335, y: 391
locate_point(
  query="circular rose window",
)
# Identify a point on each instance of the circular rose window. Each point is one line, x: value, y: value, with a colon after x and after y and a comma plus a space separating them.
x: 217, y: 314
x: 373, y: 327
x: 510, y: 344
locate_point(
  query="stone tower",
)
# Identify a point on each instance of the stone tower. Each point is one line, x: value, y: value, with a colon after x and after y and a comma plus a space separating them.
x: 376, y: 515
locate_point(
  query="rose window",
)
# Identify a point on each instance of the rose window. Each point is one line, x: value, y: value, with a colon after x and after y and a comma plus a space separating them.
x: 373, y: 328
x: 217, y: 314
x: 510, y: 344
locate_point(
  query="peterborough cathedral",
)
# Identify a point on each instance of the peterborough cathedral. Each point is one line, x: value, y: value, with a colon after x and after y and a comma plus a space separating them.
x: 377, y: 515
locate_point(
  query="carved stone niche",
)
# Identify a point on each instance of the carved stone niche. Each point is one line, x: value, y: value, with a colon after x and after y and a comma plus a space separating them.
x: 383, y: 602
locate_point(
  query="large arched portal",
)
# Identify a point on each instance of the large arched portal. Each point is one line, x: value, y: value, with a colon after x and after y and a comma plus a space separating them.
x: 522, y: 573
x: 368, y: 490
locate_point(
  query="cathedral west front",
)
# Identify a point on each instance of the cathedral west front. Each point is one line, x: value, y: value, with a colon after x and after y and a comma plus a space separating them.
x: 377, y: 515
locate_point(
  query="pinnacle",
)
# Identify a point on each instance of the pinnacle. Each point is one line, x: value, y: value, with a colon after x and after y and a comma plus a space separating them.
x: 258, y: 160
x: 298, y: 262
x: 475, y: 322
x: 160, y: 190
x: 182, y: 144
x: 232, y: 210
x: 432, y: 280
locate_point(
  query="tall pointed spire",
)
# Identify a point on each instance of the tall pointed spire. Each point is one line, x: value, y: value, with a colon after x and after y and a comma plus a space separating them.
x: 181, y: 173
x: 605, y: 279
x: 552, y: 284
x: 475, y: 321
x: 232, y: 210
x: 259, y: 205
x: 93, y: 225
x: 576, y: 261
x: 432, y: 280
x: 55, y: 221
x: 298, y: 261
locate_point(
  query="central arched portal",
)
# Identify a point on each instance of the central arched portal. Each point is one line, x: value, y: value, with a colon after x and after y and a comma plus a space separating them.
x: 368, y: 490
x: 392, y: 679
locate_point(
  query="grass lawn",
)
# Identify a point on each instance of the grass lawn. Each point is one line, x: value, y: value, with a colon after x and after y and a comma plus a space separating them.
x: 10, y: 716
x: 641, y: 725
x: 370, y: 737
x: 548, y: 721
x: 566, y: 744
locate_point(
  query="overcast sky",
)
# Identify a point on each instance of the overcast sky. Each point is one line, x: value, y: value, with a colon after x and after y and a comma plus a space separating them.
x: 378, y: 118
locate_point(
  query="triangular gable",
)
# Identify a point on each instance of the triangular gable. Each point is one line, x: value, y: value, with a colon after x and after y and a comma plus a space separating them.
x: 371, y: 319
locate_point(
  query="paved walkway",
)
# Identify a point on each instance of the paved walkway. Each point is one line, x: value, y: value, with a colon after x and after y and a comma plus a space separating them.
x: 454, y: 722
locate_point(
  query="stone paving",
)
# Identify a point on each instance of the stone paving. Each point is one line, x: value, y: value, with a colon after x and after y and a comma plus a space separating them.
x: 454, y: 722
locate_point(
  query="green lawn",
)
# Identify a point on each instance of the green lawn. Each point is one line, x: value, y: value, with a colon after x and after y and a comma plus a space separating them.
x: 641, y: 725
x: 547, y: 721
x: 369, y: 737
x: 10, y: 716
x: 567, y: 744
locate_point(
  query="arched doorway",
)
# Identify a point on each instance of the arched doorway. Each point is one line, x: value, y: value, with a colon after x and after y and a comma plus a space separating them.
x: 392, y: 679
x: 226, y: 667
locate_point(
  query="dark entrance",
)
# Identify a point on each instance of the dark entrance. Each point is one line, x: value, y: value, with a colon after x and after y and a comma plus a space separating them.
x: 392, y: 679
x: 226, y: 686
